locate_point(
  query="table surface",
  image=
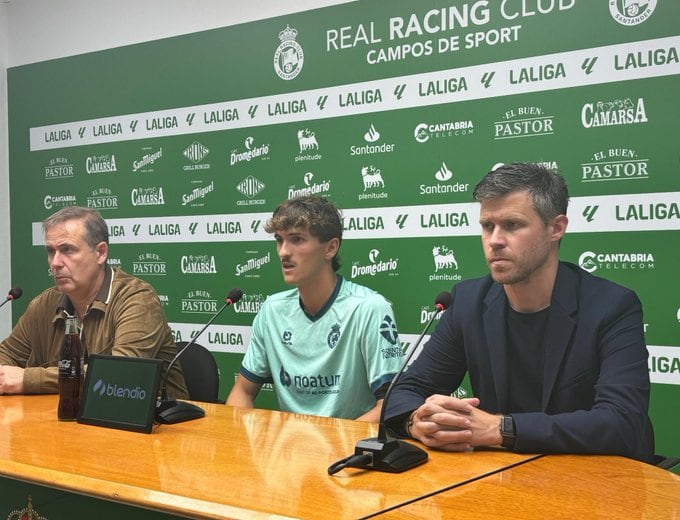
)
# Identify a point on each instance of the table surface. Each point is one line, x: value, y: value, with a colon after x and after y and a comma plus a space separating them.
x: 558, y: 486
x: 233, y: 463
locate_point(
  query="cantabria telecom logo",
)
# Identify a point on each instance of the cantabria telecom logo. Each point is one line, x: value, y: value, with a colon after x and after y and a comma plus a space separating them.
x: 289, y: 56
x: 631, y: 12
x: 592, y: 261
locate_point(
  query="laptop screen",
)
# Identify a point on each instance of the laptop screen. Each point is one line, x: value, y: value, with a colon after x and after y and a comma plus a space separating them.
x: 121, y: 392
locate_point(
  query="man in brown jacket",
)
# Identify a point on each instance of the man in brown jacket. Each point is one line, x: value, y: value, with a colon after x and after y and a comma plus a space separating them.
x: 117, y: 313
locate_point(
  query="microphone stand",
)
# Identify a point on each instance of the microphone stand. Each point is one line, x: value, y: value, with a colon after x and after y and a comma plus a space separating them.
x: 385, y: 453
x: 170, y: 411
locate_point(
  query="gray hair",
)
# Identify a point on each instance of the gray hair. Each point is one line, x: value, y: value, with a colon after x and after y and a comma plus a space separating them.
x: 96, y: 230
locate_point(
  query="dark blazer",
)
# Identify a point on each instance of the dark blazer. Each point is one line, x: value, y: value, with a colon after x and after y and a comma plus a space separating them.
x: 595, y: 379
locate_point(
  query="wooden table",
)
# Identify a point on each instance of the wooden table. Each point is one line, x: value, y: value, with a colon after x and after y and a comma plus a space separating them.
x: 231, y: 464
x: 558, y: 486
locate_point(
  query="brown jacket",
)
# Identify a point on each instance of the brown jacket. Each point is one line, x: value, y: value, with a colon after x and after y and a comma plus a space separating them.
x: 125, y: 319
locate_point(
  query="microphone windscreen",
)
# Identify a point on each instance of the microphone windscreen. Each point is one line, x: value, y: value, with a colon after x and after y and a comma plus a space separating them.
x: 234, y: 295
x: 15, y: 293
x: 443, y: 300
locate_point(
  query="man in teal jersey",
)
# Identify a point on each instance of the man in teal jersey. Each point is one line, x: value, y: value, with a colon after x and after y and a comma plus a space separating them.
x: 330, y: 347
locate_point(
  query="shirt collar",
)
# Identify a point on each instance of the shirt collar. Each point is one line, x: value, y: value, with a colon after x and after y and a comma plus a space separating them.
x: 101, y: 299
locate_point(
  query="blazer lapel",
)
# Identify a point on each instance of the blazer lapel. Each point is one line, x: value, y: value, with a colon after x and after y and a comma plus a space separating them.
x: 561, y: 325
x: 496, y: 337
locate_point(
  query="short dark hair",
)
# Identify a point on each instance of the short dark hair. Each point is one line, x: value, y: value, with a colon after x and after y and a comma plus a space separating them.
x: 96, y: 230
x: 316, y: 214
x: 547, y: 187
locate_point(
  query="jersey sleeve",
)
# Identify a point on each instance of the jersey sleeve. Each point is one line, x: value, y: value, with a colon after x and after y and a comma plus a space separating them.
x: 380, y: 344
x: 255, y: 364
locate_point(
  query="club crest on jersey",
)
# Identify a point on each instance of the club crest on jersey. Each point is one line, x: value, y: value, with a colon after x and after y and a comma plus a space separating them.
x: 334, y: 336
x: 388, y: 330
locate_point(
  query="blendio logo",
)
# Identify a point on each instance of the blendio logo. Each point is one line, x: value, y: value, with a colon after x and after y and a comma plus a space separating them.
x: 118, y: 392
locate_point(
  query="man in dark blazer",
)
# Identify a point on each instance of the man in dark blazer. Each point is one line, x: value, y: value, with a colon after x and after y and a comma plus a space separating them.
x: 556, y: 357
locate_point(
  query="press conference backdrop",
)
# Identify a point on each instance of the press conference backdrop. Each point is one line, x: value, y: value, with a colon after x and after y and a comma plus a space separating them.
x: 394, y: 110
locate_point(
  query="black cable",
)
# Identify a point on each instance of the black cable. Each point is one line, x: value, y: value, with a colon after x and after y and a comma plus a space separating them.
x: 349, y: 462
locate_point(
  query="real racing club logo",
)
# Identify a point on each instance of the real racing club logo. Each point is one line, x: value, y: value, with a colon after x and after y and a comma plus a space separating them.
x: 289, y: 56
x: 334, y: 336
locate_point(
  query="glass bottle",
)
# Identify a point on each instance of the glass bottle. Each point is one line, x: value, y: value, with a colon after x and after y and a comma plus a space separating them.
x: 71, y: 372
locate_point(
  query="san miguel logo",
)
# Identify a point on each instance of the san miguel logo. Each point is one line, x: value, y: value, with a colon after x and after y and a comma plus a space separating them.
x: 631, y: 12
x: 145, y: 163
x: 289, y: 56
x: 613, y: 113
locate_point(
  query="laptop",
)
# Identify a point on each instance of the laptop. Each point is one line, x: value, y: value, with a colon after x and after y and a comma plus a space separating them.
x: 120, y: 392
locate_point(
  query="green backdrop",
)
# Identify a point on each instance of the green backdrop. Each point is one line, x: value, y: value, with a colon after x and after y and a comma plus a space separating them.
x: 394, y: 110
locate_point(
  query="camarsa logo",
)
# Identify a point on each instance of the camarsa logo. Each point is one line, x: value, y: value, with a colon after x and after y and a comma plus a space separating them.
x: 198, y: 264
x: 614, y: 112
x: 101, y: 164
x: 289, y: 56
x: 592, y: 261
x: 631, y: 12
x: 148, y: 196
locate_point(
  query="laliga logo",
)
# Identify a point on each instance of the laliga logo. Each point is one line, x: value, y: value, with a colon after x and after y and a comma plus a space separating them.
x: 289, y: 56
x: 631, y: 12
x: 119, y: 392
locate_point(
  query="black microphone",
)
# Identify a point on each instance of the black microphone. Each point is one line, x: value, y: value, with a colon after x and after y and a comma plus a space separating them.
x: 384, y: 453
x: 170, y: 411
x: 14, y: 294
